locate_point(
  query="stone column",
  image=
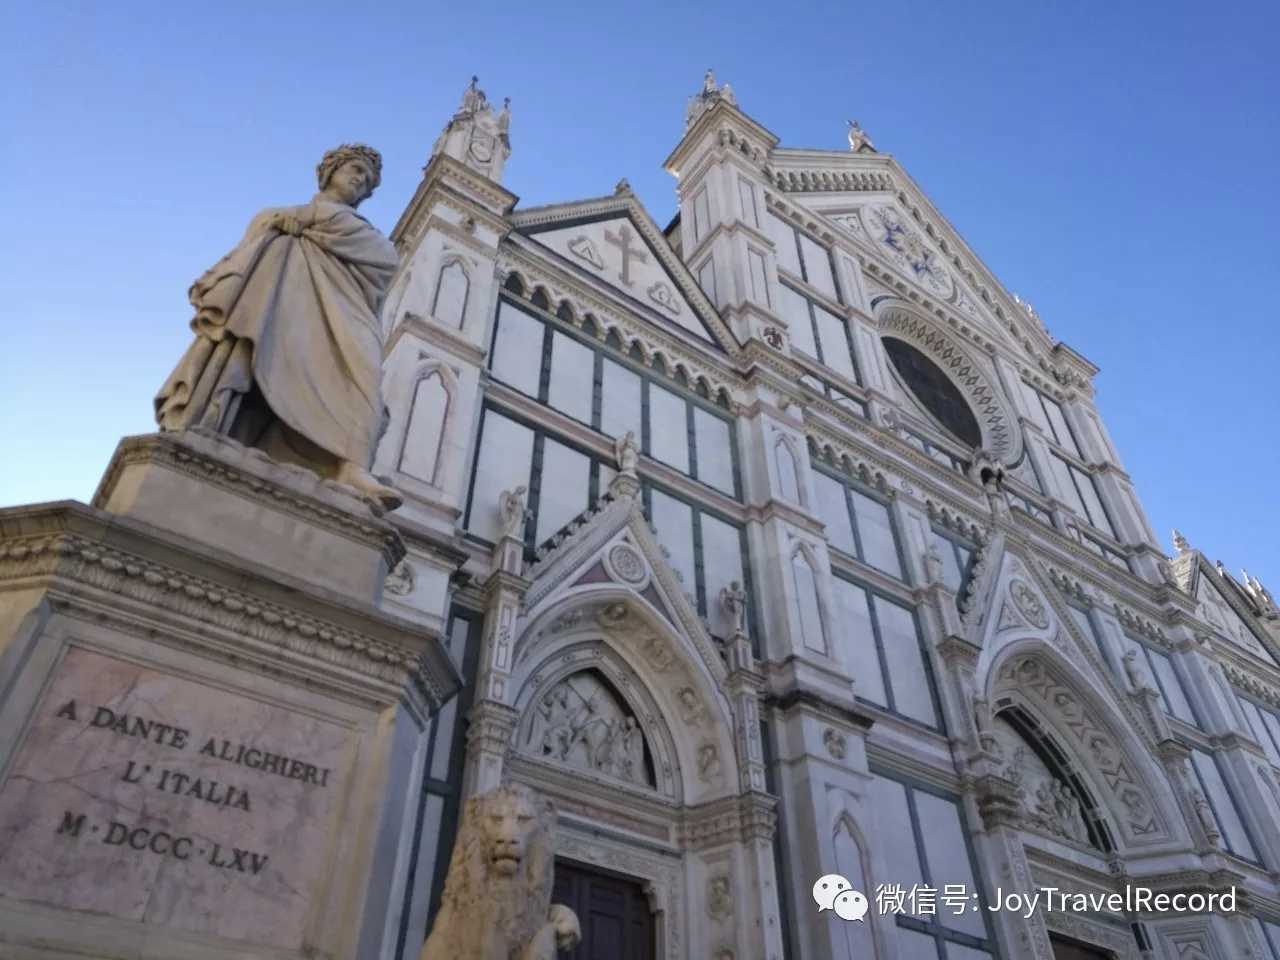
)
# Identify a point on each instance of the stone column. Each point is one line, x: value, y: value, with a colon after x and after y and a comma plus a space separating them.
x: 999, y: 847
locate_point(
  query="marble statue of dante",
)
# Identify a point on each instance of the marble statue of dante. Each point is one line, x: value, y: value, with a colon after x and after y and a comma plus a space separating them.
x: 287, y: 354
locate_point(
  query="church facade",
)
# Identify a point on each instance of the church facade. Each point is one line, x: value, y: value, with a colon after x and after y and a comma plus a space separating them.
x: 781, y: 543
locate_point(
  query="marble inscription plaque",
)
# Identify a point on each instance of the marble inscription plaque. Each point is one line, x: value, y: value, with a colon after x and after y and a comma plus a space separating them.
x: 154, y: 798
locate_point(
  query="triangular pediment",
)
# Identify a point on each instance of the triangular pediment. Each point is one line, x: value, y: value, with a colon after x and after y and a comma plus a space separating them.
x: 1224, y: 612
x: 870, y: 199
x: 617, y: 244
x: 613, y: 548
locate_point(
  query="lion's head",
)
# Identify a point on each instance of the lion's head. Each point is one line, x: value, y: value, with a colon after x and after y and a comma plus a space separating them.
x: 501, y: 872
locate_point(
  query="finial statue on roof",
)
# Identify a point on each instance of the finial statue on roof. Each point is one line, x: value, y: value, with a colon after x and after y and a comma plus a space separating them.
x: 859, y: 142
x: 476, y: 135
x: 473, y: 98
x: 1180, y: 543
x: 622, y: 187
x: 707, y: 97
x: 1261, y: 596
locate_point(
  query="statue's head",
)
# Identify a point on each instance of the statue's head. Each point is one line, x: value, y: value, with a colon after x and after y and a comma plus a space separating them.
x: 350, y: 172
x: 503, y: 860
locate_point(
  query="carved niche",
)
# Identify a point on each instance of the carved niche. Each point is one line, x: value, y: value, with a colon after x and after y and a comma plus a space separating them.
x: 582, y: 723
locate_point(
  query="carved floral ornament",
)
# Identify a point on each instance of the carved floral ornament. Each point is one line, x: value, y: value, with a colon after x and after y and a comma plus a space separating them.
x: 625, y: 564
x: 996, y: 417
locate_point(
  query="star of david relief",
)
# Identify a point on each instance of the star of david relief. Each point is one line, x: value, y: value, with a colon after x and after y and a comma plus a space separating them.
x: 582, y: 723
x: 908, y: 249
x: 584, y: 249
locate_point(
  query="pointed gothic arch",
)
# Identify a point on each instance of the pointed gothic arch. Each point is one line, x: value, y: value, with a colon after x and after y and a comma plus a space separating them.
x: 453, y: 288
x: 807, y: 602
x: 1090, y: 816
x: 582, y: 711
x: 615, y: 629
x: 1109, y: 754
x: 786, y: 461
x: 423, y: 448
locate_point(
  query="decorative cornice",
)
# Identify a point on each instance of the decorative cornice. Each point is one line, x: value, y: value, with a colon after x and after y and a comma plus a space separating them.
x: 563, y: 288
x: 472, y: 193
x: 795, y: 697
x: 180, y: 452
x: 67, y: 561
x: 815, y: 179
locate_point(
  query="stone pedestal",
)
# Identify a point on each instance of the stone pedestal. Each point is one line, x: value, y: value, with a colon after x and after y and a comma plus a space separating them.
x: 208, y: 730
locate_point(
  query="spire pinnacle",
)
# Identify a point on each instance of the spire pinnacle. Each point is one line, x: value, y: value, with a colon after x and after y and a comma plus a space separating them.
x: 477, y: 136
x: 859, y: 141
x: 707, y: 97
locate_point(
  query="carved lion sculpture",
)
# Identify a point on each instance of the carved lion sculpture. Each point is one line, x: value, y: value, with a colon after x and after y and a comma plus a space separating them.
x: 497, y: 896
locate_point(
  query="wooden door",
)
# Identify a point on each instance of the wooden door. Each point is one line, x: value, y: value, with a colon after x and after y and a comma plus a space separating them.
x: 612, y: 909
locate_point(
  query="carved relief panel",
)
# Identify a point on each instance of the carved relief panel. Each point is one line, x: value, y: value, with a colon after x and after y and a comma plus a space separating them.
x: 583, y: 724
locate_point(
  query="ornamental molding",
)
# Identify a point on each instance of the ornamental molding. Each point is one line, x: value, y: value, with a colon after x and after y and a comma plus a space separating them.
x: 1251, y: 684
x: 934, y: 481
x: 447, y: 182
x: 1025, y: 329
x: 267, y: 631
x: 979, y: 278
x: 958, y: 523
x: 742, y: 818
x: 462, y: 233
x: 357, y: 525
x: 1133, y: 808
x: 561, y: 288
x: 880, y: 267
x: 1105, y: 577
x: 996, y: 416
x: 553, y: 577
x: 825, y: 180
x: 1140, y: 625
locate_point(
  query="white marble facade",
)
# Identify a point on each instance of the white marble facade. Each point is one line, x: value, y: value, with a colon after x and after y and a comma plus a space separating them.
x: 966, y: 664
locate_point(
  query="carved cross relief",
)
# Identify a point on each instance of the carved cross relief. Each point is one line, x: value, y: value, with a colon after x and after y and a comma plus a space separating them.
x: 622, y: 240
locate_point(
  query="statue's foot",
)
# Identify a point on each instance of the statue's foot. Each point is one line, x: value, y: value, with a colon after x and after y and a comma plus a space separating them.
x: 379, y: 496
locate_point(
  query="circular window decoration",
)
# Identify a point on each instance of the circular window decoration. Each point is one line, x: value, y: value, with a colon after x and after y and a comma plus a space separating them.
x: 933, y: 389
x: 626, y: 565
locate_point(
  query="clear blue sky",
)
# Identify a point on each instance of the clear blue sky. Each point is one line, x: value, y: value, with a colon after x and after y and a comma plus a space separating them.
x: 1114, y: 163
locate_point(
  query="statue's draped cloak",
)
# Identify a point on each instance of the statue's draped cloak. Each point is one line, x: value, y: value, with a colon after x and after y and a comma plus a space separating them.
x: 298, y: 318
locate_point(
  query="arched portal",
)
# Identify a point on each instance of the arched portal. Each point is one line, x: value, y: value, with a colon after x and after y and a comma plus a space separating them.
x: 1101, y: 762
